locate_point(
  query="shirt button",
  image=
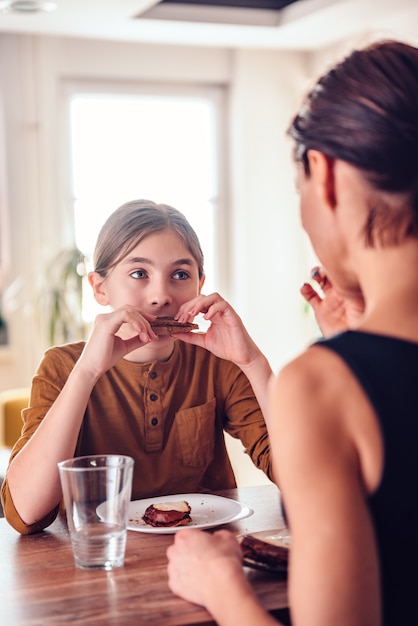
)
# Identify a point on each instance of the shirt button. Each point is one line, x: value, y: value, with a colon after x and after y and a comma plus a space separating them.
x: 153, y: 375
x: 153, y: 397
x: 154, y: 421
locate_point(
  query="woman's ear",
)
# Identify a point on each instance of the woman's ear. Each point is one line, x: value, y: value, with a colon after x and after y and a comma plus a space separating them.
x: 321, y: 168
x: 97, y: 283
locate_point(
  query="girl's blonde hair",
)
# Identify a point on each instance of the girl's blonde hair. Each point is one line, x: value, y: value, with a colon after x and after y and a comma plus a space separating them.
x: 134, y: 221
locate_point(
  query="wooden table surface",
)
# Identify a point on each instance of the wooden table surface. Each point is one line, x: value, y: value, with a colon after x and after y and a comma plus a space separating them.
x: 40, y: 586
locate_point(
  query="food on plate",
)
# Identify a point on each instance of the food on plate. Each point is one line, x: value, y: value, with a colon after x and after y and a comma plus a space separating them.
x: 168, y: 326
x: 269, y: 553
x: 168, y: 514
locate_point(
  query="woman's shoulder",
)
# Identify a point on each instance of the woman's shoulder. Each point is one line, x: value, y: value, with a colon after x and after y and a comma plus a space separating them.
x: 318, y: 392
x: 316, y: 387
x: 313, y: 367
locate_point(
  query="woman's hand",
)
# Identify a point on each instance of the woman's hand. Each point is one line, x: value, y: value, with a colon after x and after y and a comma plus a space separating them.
x: 207, y: 569
x: 334, y: 312
x: 202, y: 566
x: 226, y: 337
x: 113, y: 336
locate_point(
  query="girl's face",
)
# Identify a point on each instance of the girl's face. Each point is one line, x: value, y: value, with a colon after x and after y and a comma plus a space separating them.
x: 157, y: 276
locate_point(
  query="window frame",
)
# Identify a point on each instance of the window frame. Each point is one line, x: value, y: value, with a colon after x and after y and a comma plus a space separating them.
x: 217, y: 95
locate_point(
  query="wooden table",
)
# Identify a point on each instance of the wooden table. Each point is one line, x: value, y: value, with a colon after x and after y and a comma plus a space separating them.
x: 40, y: 586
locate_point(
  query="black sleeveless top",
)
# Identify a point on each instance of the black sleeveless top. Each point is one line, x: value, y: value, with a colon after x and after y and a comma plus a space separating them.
x: 387, y: 369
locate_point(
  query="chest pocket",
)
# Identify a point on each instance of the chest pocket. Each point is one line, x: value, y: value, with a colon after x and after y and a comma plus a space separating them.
x: 196, y: 434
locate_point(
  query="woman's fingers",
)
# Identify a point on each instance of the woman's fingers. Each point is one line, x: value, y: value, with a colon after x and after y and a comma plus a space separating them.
x: 308, y: 292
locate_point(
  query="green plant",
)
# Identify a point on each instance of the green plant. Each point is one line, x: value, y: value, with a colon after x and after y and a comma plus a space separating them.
x: 62, y: 296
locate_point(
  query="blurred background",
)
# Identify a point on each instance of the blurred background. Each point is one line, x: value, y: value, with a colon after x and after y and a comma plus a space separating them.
x: 186, y: 103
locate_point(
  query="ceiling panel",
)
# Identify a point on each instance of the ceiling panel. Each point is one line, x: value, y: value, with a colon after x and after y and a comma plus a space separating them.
x: 300, y: 25
x: 272, y: 5
x: 238, y: 12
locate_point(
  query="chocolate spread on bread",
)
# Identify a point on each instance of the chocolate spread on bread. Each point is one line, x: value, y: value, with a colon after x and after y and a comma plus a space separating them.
x: 169, y: 326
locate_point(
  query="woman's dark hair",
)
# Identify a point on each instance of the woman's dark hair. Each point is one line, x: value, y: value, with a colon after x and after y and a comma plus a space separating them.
x: 365, y: 111
x: 134, y: 221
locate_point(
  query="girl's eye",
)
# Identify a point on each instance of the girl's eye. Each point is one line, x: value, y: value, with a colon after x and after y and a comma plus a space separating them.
x: 181, y: 275
x: 139, y: 274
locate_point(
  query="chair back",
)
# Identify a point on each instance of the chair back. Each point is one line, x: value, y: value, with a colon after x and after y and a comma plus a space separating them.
x: 12, y: 401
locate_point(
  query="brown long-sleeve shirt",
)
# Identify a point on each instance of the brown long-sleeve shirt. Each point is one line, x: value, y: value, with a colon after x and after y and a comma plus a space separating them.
x: 168, y: 415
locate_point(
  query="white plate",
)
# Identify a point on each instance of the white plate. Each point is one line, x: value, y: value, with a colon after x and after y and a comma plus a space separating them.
x: 277, y: 537
x: 207, y: 511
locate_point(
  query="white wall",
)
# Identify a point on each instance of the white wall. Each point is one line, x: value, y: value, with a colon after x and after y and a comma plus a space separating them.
x: 269, y: 258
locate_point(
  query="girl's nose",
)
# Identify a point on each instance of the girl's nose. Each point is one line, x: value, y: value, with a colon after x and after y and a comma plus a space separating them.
x: 161, y: 298
x: 161, y: 301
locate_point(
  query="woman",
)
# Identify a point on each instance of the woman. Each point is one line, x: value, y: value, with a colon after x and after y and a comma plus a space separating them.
x: 343, y: 421
x: 128, y: 391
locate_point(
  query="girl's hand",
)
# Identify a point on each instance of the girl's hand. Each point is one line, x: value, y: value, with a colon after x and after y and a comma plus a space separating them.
x: 226, y: 337
x: 106, y: 345
x: 333, y: 311
x: 201, y: 564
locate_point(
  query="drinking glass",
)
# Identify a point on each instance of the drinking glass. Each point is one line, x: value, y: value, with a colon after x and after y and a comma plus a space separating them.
x: 97, y: 491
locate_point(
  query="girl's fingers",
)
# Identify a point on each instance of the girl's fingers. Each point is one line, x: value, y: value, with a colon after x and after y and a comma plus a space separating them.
x: 220, y: 308
x: 112, y: 322
x: 200, y: 304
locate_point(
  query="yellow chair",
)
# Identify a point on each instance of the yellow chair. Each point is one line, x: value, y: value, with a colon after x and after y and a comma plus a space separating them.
x: 12, y: 401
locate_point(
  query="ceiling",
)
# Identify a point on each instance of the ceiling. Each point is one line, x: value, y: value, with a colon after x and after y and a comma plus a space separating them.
x: 284, y: 24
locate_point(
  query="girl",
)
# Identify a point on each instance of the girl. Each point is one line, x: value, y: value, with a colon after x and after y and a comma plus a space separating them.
x: 343, y: 422
x: 128, y: 391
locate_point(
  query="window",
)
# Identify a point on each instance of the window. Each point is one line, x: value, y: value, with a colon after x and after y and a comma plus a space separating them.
x: 154, y: 143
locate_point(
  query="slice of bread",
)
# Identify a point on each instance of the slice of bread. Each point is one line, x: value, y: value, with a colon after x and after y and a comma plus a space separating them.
x: 181, y: 505
x: 167, y: 514
x: 170, y: 326
x: 269, y: 553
